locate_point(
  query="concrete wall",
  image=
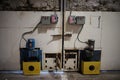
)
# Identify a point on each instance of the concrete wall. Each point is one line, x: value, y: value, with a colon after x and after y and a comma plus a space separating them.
x: 93, y: 5
x: 13, y: 24
x: 75, y: 5
x: 29, y: 5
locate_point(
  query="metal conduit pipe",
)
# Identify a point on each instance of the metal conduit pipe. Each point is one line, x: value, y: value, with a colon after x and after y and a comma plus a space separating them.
x: 63, y: 11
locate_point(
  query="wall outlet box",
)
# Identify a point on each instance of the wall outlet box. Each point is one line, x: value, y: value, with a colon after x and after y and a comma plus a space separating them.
x: 45, y: 20
x: 71, y: 60
x: 53, y: 19
x: 76, y: 19
x: 50, y: 61
x: 80, y: 19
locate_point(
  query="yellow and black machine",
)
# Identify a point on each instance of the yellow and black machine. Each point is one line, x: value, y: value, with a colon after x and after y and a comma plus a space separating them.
x: 31, y: 58
x: 90, y: 67
x: 31, y: 68
x: 90, y: 59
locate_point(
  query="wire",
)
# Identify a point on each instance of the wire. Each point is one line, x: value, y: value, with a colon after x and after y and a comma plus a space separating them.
x: 99, y: 21
x: 54, y: 4
x: 70, y: 7
x: 79, y: 34
x: 77, y: 38
x: 30, y: 32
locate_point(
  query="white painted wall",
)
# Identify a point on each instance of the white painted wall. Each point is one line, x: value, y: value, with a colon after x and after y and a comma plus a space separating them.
x: 13, y: 24
x: 110, y: 41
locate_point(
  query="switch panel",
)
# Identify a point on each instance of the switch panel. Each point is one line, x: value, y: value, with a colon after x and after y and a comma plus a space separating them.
x: 45, y: 20
x: 71, y: 60
x: 76, y: 20
x: 80, y: 19
x: 53, y: 19
x: 50, y: 61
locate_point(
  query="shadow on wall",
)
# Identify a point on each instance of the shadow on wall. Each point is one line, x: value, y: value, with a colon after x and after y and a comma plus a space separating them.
x: 45, y: 28
x: 72, y: 28
x: 54, y: 38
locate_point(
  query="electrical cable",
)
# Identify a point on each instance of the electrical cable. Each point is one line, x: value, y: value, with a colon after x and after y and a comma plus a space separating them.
x: 77, y: 38
x: 54, y: 4
x: 70, y: 7
x: 30, y: 32
x: 79, y: 34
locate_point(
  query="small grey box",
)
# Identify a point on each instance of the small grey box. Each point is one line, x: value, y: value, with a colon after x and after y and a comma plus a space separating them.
x: 45, y: 20
x: 80, y: 19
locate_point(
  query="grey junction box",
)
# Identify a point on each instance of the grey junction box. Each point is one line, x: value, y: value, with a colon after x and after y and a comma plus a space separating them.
x: 80, y: 19
x: 45, y: 20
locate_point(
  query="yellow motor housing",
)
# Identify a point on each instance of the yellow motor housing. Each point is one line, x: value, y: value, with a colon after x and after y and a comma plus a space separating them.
x: 90, y: 67
x: 31, y: 68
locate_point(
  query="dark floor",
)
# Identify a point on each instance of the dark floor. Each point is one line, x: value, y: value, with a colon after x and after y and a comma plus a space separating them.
x: 15, y: 75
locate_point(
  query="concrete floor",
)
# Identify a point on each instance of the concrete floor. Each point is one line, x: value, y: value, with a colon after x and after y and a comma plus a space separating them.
x: 111, y: 75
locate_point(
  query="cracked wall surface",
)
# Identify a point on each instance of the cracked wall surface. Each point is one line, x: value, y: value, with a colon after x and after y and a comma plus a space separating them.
x: 46, y: 5
x: 32, y: 5
x: 93, y: 5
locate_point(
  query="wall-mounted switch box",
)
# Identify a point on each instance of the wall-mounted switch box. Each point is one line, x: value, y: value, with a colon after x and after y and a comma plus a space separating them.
x: 50, y: 61
x: 53, y: 19
x: 76, y: 19
x: 80, y: 19
x: 70, y: 60
x: 45, y: 20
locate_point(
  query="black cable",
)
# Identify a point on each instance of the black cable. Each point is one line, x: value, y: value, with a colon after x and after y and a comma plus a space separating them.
x: 79, y: 34
x: 70, y: 7
x: 54, y: 4
x: 30, y: 32
x: 77, y: 38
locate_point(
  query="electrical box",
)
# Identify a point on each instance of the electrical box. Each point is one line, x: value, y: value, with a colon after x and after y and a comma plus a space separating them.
x: 80, y: 19
x: 76, y: 20
x: 53, y: 19
x: 52, y: 61
x: 71, y: 60
x: 30, y: 44
x: 90, y: 65
x: 28, y: 55
x: 45, y: 20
